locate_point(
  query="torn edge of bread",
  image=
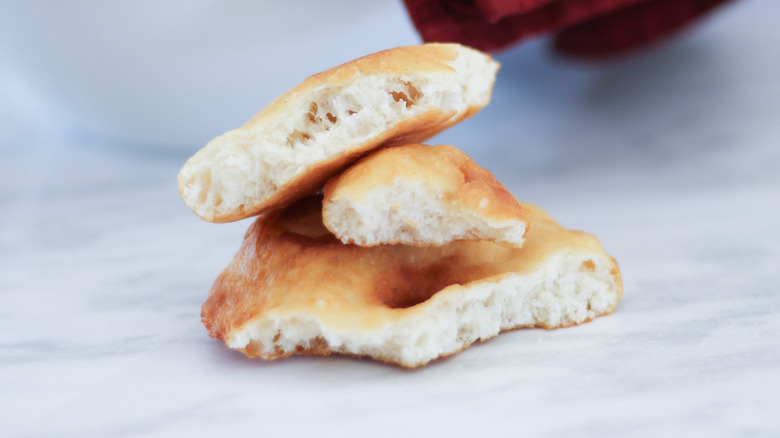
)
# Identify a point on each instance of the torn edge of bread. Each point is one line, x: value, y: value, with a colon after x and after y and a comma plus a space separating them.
x: 291, y: 147
x: 297, y: 291
x: 421, y: 195
x: 569, y: 289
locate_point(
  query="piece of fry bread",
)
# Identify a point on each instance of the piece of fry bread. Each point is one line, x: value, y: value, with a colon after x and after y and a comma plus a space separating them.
x: 290, y: 148
x: 294, y: 288
x: 420, y: 195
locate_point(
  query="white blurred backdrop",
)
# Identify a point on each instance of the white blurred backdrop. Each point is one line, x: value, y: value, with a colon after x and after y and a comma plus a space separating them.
x: 179, y: 72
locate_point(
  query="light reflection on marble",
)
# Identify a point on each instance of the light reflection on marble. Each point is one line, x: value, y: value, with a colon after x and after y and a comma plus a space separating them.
x: 671, y: 158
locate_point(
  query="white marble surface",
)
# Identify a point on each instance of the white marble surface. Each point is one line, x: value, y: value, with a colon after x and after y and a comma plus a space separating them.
x: 671, y: 157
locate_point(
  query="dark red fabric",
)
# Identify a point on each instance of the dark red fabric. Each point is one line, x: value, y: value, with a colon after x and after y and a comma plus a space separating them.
x: 495, y: 10
x: 630, y: 27
x: 590, y: 27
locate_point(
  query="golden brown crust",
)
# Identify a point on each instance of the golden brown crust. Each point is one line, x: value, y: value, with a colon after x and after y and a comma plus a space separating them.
x: 289, y: 264
x: 407, y: 60
x: 444, y: 168
x: 427, y: 59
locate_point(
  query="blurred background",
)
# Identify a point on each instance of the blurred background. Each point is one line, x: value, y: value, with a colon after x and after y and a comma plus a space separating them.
x: 177, y: 73
x: 166, y: 77
x: 670, y: 155
x: 155, y: 81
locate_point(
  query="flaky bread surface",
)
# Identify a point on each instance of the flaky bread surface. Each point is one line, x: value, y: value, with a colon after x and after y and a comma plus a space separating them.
x: 293, y: 288
x: 290, y: 148
x: 420, y: 195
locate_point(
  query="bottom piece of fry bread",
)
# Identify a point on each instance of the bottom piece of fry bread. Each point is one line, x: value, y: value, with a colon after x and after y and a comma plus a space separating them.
x: 294, y: 288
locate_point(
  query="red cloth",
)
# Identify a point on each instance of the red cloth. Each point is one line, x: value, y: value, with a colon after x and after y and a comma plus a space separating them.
x: 586, y: 27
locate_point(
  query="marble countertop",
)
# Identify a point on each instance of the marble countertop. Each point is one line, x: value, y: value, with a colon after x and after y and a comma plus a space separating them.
x: 671, y: 157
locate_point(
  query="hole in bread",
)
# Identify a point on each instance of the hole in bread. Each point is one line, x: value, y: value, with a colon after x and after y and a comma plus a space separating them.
x: 297, y: 137
x: 410, y: 96
x: 205, y: 185
x: 350, y: 112
x: 314, y: 117
x: 312, y: 114
x: 254, y: 349
x: 399, y: 96
x: 318, y: 344
x: 411, y: 285
x: 218, y: 201
x: 588, y: 265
